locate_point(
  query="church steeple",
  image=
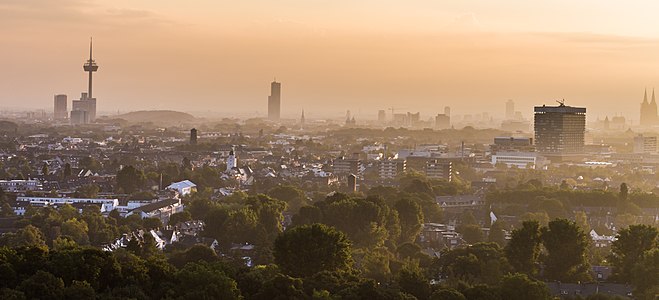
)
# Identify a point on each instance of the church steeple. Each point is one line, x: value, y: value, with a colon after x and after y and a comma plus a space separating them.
x: 653, y: 102
x: 645, y: 97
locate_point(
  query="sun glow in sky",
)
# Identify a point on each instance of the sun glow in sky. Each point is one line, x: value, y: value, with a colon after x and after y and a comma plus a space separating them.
x: 417, y: 55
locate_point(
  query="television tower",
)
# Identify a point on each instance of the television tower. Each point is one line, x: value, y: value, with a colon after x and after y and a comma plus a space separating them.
x: 91, y: 67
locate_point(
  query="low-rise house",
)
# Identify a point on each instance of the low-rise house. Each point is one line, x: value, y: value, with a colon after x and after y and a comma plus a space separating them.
x: 20, y: 185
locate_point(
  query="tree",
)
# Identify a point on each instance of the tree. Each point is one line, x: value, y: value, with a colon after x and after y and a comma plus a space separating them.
x: 629, y: 246
x: 497, y: 234
x: 79, y: 290
x: 520, y: 287
x: 471, y: 233
x: 44, y: 169
x: 28, y: 236
x: 645, y: 275
x: 87, y: 191
x: 624, y: 192
x: 151, y: 223
x: 90, y: 163
x: 130, y: 179
x: 205, y: 281
x: 566, y: 245
x: 309, y: 249
x: 42, y: 285
x: 294, y: 197
x: 76, y: 230
x: 447, y: 294
x: 411, y: 219
x: 179, y: 217
x: 412, y: 281
x: 524, y: 247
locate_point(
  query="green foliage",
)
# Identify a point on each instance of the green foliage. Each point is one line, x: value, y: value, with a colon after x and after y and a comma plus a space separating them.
x: 566, y: 245
x: 523, y: 248
x: 205, y: 281
x: 521, y: 287
x: 479, y: 263
x: 497, y: 234
x: 471, y: 233
x: 130, y: 179
x: 629, y: 247
x: 411, y: 280
x: 307, y: 250
x: 293, y: 196
x: 645, y: 275
x: 411, y: 219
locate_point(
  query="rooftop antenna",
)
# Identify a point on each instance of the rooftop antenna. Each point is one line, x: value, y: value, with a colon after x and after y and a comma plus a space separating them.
x: 561, y: 102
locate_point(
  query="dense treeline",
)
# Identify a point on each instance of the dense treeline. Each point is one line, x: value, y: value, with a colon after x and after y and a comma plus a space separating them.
x: 341, y: 246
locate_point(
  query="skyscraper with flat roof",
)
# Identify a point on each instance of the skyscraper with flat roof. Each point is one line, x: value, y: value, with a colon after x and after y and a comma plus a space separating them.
x: 510, y: 109
x: 61, y: 112
x: 274, y: 101
x: 559, y: 129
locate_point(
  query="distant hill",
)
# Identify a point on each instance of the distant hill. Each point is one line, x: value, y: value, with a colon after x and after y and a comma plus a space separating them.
x: 156, y: 116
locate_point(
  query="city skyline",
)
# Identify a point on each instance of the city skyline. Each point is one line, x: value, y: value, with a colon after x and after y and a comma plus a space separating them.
x: 460, y: 55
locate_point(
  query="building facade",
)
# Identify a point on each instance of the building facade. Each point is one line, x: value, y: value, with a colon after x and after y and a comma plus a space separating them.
x: 61, y: 111
x: 559, y: 129
x: 274, y: 101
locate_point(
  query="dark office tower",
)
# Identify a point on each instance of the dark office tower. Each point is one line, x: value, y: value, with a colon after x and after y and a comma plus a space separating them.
x: 510, y: 109
x: 302, y: 120
x: 193, y: 136
x: 382, y: 116
x: 442, y: 121
x: 274, y: 101
x: 61, y: 112
x: 559, y: 129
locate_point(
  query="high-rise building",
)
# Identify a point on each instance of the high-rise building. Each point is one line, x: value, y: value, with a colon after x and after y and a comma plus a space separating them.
x: 447, y: 110
x: 649, y: 110
x: 61, y: 112
x: 560, y: 129
x: 274, y: 101
x: 193, y: 136
x: 302, y: 120
x: 87, y: 102
x: 442, y: 121
x: 510, y: 109
x: 382, y: 116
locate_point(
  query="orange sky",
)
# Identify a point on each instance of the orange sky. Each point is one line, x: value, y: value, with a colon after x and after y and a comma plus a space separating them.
x: 416, y: 55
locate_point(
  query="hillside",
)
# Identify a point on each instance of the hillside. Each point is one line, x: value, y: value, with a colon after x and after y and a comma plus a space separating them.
x: 156, y: 116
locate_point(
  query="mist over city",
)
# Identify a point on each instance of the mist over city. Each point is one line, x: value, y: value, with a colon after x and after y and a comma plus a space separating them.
x: 466, y: 150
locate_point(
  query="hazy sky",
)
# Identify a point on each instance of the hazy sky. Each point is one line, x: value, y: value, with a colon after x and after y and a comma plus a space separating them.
x: 362, y: 55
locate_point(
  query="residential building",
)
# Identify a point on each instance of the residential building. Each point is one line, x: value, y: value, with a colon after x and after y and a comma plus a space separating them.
x: 391, y: 168
x: 20, y: 185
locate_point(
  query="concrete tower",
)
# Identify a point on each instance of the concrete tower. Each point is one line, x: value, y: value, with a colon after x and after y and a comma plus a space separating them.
x: 84, y: 110
x: 274, y: 101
